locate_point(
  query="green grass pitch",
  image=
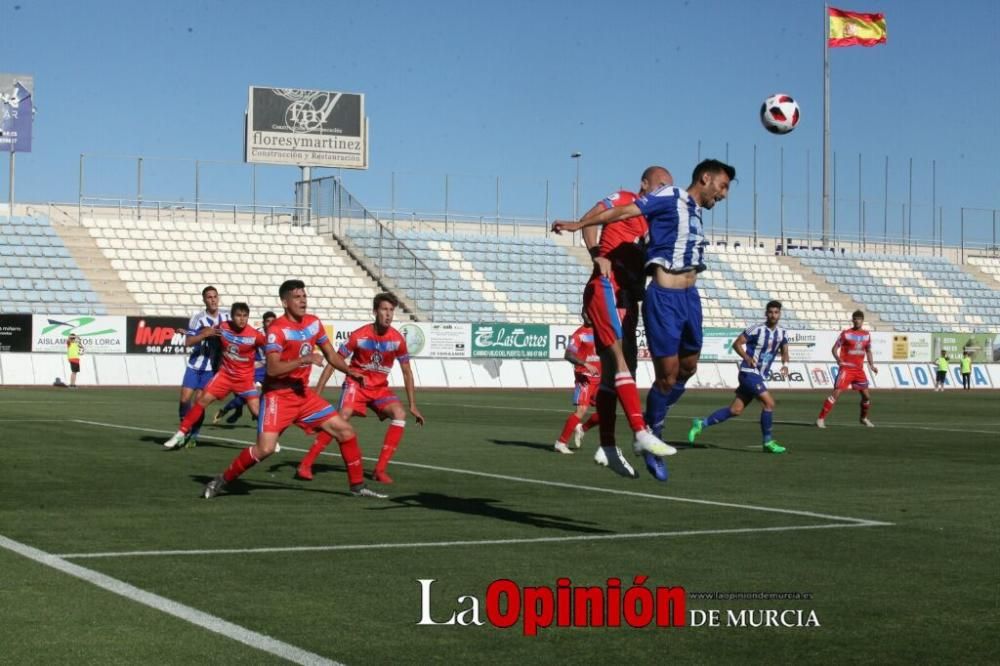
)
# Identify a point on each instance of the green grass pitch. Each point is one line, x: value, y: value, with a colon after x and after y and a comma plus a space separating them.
x: 109, y: 556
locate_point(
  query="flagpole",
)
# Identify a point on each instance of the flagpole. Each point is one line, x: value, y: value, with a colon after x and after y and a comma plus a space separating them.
x: 826, y: 126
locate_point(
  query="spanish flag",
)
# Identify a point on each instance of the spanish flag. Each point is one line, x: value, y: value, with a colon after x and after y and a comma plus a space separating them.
x: 855, y: 28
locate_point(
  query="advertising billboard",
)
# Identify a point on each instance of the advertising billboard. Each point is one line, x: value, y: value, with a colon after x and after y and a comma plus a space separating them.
x: 320, y: 128
x: 16, y: 112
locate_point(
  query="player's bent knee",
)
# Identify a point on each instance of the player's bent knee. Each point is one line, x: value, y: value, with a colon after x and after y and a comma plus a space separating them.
x: 665, y: 384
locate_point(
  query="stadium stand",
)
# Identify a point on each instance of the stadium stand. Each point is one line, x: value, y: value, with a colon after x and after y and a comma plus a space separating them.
x: 740, y: 281
x: 159, y: 267
x: 921, y: 293
x: 165, y: 264
x: 989, y: 267
x: 37, y: 273
x: 477, y: 278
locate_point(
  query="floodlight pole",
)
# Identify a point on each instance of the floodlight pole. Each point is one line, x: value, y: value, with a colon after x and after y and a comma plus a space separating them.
x: 826, y: 126
x: 10, y: 185
x: 576, y: 186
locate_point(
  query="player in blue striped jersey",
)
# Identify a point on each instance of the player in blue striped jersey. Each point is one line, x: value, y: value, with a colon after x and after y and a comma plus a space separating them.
x: 203, y: 338
x: 236, y: 404
x: 671, y: 311
x: 757, y: 346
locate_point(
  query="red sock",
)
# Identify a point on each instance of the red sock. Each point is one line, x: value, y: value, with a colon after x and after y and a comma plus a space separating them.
x: 593, y: 421
x: 607, y: 404
x: 389, y: 444
x: 571, y: 423
x: 320, y: 443
x: 192, y: 417
x: 241, y: 463
x: 827, y: 406
x: 351, y: 454
x: 628, y: 395
x: 865, y: 406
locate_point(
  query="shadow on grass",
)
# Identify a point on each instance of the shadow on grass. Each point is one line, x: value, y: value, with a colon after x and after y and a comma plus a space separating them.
x: 489, y: 508
x: 523, y: 444
x: 244, y: 487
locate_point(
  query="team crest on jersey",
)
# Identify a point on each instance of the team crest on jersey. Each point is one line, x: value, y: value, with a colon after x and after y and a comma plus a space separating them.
x: 305, y: 350
x: 271, y: 338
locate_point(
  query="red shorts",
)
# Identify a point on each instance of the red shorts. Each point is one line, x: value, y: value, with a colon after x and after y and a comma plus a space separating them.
x: 358, y: 398
x: 611, y: 321
x: 585, y: 392
x: 222, y: 384
x: 280, y: 409
x: 853, y: 378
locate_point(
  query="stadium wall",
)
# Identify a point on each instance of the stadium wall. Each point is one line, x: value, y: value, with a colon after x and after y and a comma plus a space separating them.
x: 44, y: 369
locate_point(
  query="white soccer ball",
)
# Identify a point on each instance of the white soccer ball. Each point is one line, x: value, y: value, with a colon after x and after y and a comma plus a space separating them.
x: 779, y: 114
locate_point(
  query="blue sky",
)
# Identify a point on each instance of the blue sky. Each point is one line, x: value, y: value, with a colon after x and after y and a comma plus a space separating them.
x: 480, y: 90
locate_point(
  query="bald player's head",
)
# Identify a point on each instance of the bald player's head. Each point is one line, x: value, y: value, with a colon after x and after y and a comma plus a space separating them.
x: 653, y: 178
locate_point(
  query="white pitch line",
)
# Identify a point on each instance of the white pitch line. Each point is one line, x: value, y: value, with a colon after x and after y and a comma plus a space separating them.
x: 196, y: 617
x: 448, y: 544
x: 554, y: 484
x: 902, y: 426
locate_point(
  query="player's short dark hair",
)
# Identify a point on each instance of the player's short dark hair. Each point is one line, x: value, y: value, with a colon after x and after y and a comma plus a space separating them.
x: 288, y: 286
x: 269, y: 315
x: 857, y: 313
x: 772, y: 304
x: 712, y: 166
x: 239, y: 307
x: 384, y: 297
x: 208, y: 289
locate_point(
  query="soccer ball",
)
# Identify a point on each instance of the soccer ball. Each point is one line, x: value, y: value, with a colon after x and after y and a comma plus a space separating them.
x: 779, y: 114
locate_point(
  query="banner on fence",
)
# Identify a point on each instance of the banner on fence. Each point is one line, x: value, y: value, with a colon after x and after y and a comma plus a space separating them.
x: 98, y: 334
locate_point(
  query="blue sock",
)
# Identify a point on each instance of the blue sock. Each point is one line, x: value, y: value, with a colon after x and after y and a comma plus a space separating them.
x: 766, y: 419
x: 183, y: 409
x: 718, y: 416
x: 658, y: 405
x: 236, y: 403
x: 656, y: 409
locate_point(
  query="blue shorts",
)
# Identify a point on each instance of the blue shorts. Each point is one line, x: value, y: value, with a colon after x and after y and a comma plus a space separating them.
x: 672, y: 318
x: 196, y: 379
x: 751, y: 385
x: 259, y: 374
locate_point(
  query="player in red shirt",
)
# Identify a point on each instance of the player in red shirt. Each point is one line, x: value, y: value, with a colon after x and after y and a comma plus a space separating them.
x: 373, y: 349
x: 850, y: 350
x: 580, y: 351
x: 291, y: 346
x: 611, y: 300
x: 239, y: 348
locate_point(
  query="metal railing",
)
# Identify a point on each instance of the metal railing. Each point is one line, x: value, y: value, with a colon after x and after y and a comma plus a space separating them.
x: 336, y: 212
x: 160, y: 210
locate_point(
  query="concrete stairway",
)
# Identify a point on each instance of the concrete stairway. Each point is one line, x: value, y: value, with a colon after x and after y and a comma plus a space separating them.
x: 96, y: 268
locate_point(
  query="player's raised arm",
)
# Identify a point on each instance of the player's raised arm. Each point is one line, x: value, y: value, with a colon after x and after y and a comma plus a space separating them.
x: 606, y: 216
x: 590, y: 239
